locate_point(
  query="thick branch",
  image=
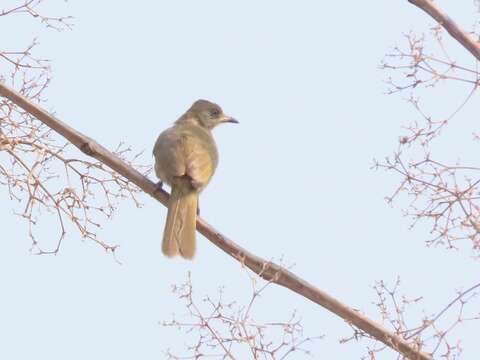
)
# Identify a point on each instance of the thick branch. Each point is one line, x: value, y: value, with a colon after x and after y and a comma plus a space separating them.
x: 267, y: 270
x: 453, y: 29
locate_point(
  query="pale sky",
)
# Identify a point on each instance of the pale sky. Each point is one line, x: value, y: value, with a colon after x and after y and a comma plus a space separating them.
x: 294, y: 178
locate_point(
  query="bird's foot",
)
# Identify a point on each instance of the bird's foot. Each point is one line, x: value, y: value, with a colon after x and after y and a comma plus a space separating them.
x: 159, y: 185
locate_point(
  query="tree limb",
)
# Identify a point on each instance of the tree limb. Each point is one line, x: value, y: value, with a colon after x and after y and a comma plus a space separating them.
x: 448, y: 24
x: 267, y: 270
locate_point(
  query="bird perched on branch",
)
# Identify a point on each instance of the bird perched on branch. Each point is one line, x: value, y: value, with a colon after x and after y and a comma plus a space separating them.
x: 185, y: 158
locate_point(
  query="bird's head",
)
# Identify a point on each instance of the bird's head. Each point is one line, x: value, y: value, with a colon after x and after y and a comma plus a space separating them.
x: 209, y: 114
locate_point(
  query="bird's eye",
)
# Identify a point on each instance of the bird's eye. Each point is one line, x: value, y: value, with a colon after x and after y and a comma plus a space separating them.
x: 215, y: 112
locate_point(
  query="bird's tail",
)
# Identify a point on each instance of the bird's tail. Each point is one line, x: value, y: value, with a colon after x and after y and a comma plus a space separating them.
x: 179, y: 233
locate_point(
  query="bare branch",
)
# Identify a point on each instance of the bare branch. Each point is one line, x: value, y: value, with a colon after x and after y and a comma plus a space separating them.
x: 443, y: 195
x: 431, y: 332
x: 453, y: 29
x: 446, y: 195
x: 269, y: 271
x: 223, y: 329
x: 36, y: 167
x: 30, y: 7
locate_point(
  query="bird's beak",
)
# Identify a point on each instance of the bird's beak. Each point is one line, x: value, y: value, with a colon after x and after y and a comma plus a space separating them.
x: 229, y: 119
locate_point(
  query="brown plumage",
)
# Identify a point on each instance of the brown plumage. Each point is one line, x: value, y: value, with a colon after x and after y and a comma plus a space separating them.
x: 186, y: 157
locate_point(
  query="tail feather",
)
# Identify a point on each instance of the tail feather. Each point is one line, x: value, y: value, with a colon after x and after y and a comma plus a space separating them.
x: 180, y: 227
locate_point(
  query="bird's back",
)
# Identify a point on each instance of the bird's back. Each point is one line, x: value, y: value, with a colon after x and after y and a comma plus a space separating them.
x: 186, y: 149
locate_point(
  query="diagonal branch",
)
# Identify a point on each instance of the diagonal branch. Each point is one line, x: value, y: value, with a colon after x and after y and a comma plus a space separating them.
x: 266, y: 269
x: 453, y: 29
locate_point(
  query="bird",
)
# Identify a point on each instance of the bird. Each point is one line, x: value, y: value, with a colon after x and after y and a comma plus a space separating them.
x: 186, y: 157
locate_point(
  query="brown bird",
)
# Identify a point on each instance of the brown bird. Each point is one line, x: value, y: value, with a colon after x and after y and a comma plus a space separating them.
x: 185, y: 158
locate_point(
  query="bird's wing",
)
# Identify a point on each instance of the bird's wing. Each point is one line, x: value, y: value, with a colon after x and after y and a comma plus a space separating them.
x: 169, y: 155
x: 200, y: 160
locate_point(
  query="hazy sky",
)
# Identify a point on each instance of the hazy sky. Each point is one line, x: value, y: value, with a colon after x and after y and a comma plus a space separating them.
x: 294, y: 178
